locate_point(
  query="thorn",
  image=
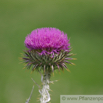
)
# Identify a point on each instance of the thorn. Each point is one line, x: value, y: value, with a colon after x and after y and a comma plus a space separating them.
x: 72, y: 63
x: 56, y: 80
x: 52, y: 82
x: 68, y: 70
x: 58, y: 67
x: 74, y: 58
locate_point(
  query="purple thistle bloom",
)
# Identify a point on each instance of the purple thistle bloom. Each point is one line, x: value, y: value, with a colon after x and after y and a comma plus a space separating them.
x: 47, y: 40
x: 48, y: 49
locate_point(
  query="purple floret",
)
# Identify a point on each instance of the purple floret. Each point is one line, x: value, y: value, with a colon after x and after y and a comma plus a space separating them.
x: 47, y: 40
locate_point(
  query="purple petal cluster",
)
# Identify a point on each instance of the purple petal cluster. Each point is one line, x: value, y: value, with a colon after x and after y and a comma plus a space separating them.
x: 47, y: 40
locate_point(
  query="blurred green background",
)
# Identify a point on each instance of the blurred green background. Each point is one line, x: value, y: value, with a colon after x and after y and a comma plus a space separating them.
x: 82, y: 20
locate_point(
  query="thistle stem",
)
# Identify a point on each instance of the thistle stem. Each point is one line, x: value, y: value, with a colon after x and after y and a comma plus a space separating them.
x: 45, y: 96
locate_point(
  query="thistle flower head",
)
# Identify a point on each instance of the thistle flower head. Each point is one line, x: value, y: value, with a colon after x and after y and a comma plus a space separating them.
x: 47, y: 40
x: 48, y: 49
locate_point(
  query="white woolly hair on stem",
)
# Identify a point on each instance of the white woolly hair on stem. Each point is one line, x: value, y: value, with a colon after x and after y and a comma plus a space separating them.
x: 44, y: 91
x: 45, y: 96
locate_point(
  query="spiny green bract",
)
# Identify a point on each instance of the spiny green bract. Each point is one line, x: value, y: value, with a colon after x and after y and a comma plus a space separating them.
x: 48, y: 62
